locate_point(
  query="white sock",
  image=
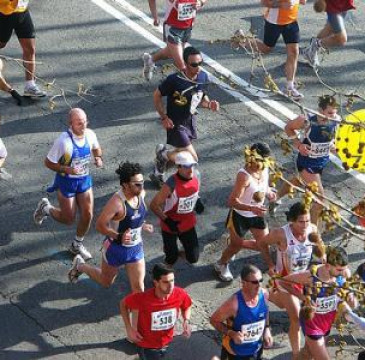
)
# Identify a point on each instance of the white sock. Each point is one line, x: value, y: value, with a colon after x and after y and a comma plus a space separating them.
x: 290, y: 84
x: 78, y: 241
x: 48, y: 208
x: 29, y: 83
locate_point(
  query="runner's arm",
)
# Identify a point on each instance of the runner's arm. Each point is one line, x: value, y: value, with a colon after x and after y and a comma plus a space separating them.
x: 227, y: 310
x: 109, y: 212
x: 292, y: 128
x: 158, y: 201
x: 274, y: 237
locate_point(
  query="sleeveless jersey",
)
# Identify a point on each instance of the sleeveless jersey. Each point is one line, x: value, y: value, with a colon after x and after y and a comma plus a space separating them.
x: 251, y: 321
x: 325, y: 309
x: 80, y: 159
x: 180, y: 13
x: 320, y: 138
x: 297, y: 256
x: 254, y: 186
x: 133, y: 219
x: 281, y: 16
x: 181, y: 203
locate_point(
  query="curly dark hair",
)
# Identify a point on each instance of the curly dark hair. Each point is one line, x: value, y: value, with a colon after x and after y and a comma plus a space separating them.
x: 127, y: 170
x: 295, y: 211
x: 327, y: 100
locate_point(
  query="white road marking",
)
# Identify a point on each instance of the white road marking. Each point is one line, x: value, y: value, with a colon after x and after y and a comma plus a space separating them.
x: 217, y: 67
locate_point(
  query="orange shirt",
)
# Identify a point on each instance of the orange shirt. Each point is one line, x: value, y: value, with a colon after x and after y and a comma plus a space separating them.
x: 8, y: 7
x: 282, y: 16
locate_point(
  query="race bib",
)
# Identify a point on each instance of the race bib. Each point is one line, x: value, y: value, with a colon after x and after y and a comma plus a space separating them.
x: 186, y: 204
x: 81, y: 165
x: 136, y: 237
x: 326, y: 304
x: 319, y: 150
x: 22, y: 4
x: 253, y: 332
x: 299, y: 258
x: 163, y: 320
x: 185, y: 11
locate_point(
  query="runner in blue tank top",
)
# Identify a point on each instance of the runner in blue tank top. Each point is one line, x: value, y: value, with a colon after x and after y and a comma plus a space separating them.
x: 245, y: 335
x: 314, y: 149
x: 121, y: 221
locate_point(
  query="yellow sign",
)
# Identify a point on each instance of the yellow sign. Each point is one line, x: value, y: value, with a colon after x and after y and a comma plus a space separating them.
x: 350, y: 141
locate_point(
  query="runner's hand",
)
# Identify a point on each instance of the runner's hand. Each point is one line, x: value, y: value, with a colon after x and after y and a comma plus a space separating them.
x: 167, y: 123
x: 148, y: 228
x: 214, y: 105
x: 237, y: 336
x: 172, y: 224
x: 156, y: 22
x: 304, y: 149
x: 98, y: 161
x: 268, y: 340
x: 259, y: 210
x: 126, y: 237
x: 134, y: 335
x: 186, y: 329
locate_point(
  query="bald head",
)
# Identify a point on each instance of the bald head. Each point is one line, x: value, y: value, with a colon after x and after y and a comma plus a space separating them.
x: 78, y: 121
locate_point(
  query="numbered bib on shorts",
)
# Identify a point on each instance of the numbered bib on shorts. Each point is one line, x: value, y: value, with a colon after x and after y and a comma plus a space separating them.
x: 187, y: 204
x: 81, y: 165
x: 319, y: 150
x: 253, y: 332
x: 299, y: 258
x: 163, y: 320
x: 326, y: 304
x: 136, y: 237
x: 185, y: 11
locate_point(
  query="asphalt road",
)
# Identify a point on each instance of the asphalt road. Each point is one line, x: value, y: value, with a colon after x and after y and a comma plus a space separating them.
x: 80, y: 45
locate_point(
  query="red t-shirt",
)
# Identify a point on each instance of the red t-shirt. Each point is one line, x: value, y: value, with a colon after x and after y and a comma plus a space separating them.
x: 157, y: 317
x: 339, y: 6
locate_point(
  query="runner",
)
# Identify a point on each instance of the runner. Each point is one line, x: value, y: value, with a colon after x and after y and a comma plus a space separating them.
x: 121, y: 221
x: 293, y: 255
x: 281, y: 19
x: 318, y: 315
x: 15, y: 16
x: 158, y: 310
x: 177, y: 27
x: 4, y: 175
x: 175, y: 204
x: 334, y: 32
x: 247, y: 210
x: 314, y: 150
x: 69, y: 157
x: 184, y: 92
x: 244, y: 319
x: 4, y: 86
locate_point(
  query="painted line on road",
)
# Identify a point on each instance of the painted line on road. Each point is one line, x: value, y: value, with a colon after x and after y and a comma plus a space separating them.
x: 237, y: 95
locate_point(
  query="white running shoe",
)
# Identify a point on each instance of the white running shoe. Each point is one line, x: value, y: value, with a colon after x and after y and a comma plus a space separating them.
x: 223, y: 272
x: 74, y: 273
x: 80, y: 249
x: 4, y: 175
x: 293, y: 93
x: 148, y: 66
x: 40, y: 214
x: 311, y: 53
x: 33, y: 91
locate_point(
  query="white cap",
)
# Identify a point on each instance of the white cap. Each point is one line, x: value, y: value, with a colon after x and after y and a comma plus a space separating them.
x: 184, y: 158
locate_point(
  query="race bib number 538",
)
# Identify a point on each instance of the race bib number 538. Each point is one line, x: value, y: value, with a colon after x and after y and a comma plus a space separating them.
x: 163, y: 320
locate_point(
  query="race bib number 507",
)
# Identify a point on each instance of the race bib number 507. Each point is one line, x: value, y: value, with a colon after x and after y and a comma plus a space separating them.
x: 163, y: 320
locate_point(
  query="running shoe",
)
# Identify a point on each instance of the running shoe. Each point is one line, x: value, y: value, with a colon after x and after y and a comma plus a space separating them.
x: 40, y: 214
x: 80, y: 249
x: 4, y: 175
x: 293, y: 93
x: 148, y: 66
x: 160, y: 161
x: 74, y: 273
x: 157, y: 179
x: 33, y: 91
x: 223, y: 272
x: 311, y: 53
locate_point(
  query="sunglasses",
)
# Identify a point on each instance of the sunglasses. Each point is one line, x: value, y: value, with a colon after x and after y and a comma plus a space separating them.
x: 196, y: 64
x: 187, y: 166
x: 138, y: 183
x: 255, y: 282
